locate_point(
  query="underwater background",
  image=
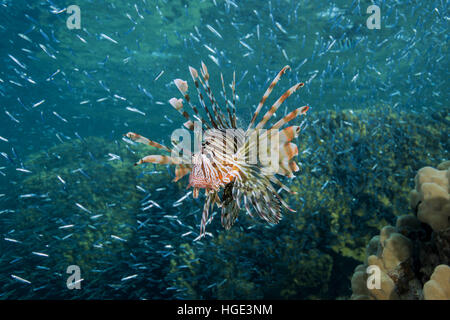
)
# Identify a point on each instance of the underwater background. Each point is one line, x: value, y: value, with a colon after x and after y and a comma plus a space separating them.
x: 70, y: 195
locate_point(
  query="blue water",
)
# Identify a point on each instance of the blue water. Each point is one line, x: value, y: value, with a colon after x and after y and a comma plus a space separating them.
x: 378, y: 112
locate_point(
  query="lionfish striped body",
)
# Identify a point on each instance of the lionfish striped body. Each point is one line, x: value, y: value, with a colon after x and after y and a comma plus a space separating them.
x: 227, y: 177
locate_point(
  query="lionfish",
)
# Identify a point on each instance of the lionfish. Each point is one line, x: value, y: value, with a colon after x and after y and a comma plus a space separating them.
x: 227, y: 177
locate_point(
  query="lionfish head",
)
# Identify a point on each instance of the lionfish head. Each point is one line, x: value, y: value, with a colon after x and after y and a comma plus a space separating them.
x: 203, y: 173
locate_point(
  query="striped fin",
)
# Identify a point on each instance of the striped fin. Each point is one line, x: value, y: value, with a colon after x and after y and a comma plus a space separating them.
x: 183, y: 88
x: 194, y: 75
x: 285, y: 169
x: 219, y: 142
x: 180, y: 171
x: 265, y: 205
x: 160, y: 159
x: 289, y: 133
x: 181, y: 85
x: 278, y: 103
x: 177, y: 104
x: 138, y: 138
x: 247, y: 206
x: 266, y: 95
x: 209, y: 202
x: 293, y: 165
x: 290, y: 150
x: 229, y: 215
x: 281, y: 185
x: 233, y: 90
x: 217, y: 111
x: 189, y: 124
x: 290, y: 116
x: 232, y: 119
x: 286, y: 164
x: 286, y: 135
x: 217, y: 117
x: 283, y: 202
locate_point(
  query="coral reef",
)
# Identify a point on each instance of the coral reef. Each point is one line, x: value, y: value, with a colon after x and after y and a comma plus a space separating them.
x: 413, y: 256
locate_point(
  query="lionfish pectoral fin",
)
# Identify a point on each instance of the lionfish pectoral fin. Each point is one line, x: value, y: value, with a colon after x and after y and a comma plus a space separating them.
x: 284, y: 203
x: 209, y: 203
x: 180, y: 172
x: 159, y: 159
x: 290, y: 116
x: 277, y: 104
x: 140, y: 139
x: 266, y: 95
x: 290, y: 209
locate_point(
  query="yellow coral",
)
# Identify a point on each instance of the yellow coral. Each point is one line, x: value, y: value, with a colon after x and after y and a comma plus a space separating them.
x: 438, y: 287
x: 431, y: 197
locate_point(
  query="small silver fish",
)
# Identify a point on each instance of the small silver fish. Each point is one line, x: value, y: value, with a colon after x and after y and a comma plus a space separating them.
x: 159, y: 75
x: 20, y: 279
x: 40, y: 254
x: 18, y: 62
x: 104, y: 36
x: 83, y: 208
x: 118, y: 238
x: 129, y: 277
x: 135, y: 110
x: 38, y: 103
x: 214, y: 31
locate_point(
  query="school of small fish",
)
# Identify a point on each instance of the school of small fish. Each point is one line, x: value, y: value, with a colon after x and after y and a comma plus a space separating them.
x: 61, y: 86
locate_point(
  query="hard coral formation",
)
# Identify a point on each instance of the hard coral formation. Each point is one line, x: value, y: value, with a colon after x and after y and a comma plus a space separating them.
x: 438, y: 287
x: 431, y: 197
x: 412, y: 257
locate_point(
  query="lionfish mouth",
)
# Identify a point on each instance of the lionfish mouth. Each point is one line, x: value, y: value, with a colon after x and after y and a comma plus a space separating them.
x: 228, y: 179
